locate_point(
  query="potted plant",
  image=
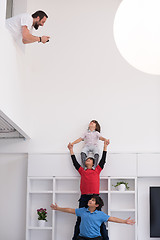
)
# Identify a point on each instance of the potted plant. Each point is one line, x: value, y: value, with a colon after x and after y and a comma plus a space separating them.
x: 121, y: 186
x: 42, y: 215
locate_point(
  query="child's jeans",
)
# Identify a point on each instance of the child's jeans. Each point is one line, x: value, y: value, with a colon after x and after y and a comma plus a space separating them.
x: 90, y: 149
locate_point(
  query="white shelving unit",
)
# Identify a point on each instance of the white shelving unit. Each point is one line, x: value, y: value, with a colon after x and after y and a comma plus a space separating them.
x: 42, y: 191
x: 39, y: 194
x: 123, y: 205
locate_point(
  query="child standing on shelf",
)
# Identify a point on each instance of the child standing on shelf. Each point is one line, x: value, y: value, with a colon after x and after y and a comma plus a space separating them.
x: 90, y: 138
x: 92, y: 218
x: 89, y: 186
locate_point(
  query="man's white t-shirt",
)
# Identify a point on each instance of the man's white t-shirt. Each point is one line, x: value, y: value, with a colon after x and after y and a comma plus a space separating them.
x: 14, y: 24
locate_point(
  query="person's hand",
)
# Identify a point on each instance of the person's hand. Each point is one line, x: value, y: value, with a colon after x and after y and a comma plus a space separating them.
x: 70, y: 146
x: 129, y: 221
x: 107, y: 142
x: 54, y: 206
x: 44, y: 39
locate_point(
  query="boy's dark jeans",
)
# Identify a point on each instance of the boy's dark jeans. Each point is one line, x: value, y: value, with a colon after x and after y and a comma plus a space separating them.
x: 83, y: 201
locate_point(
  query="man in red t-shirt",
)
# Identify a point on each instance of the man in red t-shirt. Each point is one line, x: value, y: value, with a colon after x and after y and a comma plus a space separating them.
x: 89, y: 185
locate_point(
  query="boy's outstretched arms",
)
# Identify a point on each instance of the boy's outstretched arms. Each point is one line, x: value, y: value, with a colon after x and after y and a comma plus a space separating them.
x: 119, y: 220
x: 111, y: 219
x: 67, y: 210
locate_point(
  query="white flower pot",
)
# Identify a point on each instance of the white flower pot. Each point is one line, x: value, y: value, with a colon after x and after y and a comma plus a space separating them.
x: 121, y: 187
x: 41, y: 223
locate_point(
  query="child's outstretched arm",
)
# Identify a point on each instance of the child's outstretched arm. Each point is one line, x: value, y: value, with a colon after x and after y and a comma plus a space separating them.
x: 102, y: 138
x: 119, y: 220
x: 77, y: 141
x: 67, y: 210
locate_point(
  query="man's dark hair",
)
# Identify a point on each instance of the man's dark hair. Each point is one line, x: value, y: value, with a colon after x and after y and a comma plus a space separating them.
x: 99, y: 201
x: 39, y: 14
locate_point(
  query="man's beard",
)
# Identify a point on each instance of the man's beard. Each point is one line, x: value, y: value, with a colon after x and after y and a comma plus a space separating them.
x: 36, y: 26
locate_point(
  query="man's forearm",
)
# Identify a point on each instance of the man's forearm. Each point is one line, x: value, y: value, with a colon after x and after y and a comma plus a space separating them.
x: 29, y: 38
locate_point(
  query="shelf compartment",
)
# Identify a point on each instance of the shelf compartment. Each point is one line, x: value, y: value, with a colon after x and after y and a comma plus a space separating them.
x: 64, y: 221
x: 39, y: 201
x: 64, y: 225
x: 70, y: 184
x: 130, y: 181
x: 122, y: 201
x: 39, y: 234
x: 65, y: 200
x: 122, y: 231
x: 103, y: 184
x: 40, y: 185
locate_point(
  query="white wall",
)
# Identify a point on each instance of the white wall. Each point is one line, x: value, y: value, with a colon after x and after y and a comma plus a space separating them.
x: 12, y: 75
x: 78, y: 76
x: 13, y: 167
x: 19, y: 6
x: 13, y: 174
x: 2, y: 12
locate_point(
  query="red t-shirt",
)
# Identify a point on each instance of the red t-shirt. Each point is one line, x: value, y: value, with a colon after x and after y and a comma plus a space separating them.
x: 90, y: 180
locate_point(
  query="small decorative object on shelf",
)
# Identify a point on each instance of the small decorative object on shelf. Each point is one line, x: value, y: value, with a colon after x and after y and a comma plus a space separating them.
x: 121, y: 186
x: 42, y: 215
